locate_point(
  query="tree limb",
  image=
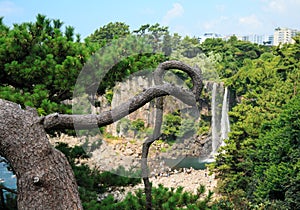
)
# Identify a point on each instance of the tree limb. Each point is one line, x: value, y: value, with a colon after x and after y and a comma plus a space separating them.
x: 194, y: 73
x: 64, y: 121
x: 145, y: 150
x: 196, y: 76
x: 45, y: 179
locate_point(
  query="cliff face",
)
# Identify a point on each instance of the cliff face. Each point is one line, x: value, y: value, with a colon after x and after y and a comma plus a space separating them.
x: 214, y: 114
x: 126, y: 90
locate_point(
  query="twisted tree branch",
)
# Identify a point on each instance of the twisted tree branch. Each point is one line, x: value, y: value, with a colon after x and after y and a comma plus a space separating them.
x: 64, y: 121
x: 23, y: 141
x: 196, y: 77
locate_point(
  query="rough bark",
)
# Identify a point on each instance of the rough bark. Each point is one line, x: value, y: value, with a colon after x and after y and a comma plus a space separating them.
x: 45, y: 179
x: 145, y: 150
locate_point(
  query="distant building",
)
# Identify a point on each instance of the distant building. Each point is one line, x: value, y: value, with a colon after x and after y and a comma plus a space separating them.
x: 209, y: 36
x: 281, y: 35
x: 258, y: 39
x: 254, y: 38
x: 270, y: 40
x: 284, y: 35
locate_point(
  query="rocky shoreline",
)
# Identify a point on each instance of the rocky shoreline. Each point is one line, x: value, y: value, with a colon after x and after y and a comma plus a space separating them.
x: 190, y: 180
x: 127, y: 153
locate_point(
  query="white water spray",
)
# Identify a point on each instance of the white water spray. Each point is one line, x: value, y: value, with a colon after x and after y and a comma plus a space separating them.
x: 225, y: 125
x: 214, y: 119
x: 220, y: 118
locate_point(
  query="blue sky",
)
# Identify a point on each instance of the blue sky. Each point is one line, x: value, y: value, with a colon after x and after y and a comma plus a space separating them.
x: 186, y: 17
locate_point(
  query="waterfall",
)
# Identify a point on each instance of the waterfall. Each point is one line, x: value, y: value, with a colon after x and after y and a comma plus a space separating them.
x: 214, y: 119
x: 220, y: 120
x: 225, y: 125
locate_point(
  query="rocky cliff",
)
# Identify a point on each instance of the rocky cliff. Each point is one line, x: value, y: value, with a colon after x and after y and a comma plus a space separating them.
x: 126, y: 90
x: 203, y: 143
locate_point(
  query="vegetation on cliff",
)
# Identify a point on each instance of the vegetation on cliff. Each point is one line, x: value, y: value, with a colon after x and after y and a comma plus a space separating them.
x: 259, y: 167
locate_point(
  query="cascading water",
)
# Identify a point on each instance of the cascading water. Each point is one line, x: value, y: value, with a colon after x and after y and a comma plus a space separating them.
x: 214, y: 118
x: 225, y: 124
x: 220, y: 118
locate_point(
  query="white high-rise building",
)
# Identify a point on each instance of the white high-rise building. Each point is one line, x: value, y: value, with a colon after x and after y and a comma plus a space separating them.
x: 284, y: 35
x: 209, y: 36
x: 258, y: 39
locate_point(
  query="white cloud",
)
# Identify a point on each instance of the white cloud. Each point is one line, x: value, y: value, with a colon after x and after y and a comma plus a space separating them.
x: 176, y: 11
x: 281, y: 6
x: 277, y: 6
x: 234, y: 25
x: 8, y: 8
x: 252, y: 24
x: 250, y: 21
x: 216, y: 23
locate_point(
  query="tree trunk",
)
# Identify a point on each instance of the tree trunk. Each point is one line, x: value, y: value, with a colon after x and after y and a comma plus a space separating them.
x: 45, y: 179
x: 145, y: 151
x: 196, y: 77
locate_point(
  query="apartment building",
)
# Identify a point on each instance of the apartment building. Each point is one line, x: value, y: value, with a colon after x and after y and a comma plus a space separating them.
x: 284, y: 35
x: 258, y: 39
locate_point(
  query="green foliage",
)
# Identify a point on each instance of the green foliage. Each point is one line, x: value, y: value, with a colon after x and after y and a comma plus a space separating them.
x: 163, y: 198
x: 278, y: 180
x: 175, y: 125
x: 38, y: 98
x: 189, y: 51
x: 204, y: 125
x: 39, y: 64
x: 137, y: 126
x: 259, y: 165
x: 233, y: 52
x: 109, y: 95
x: 71, y: 153
x: 157, y: 35
x: 171, y: 125
x: 108, y: 179
x: 128, y: 66
x: 91, y: 181
x: 114, y: 64
x: 108, y: 32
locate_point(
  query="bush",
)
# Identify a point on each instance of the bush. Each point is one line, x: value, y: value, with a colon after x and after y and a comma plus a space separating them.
x: 91, y: 181
x: 162, y: 198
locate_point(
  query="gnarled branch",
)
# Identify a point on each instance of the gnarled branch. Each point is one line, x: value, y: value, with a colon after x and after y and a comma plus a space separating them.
x: 45, y: 179
x: 64, y: 121
x: 196, y: 77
